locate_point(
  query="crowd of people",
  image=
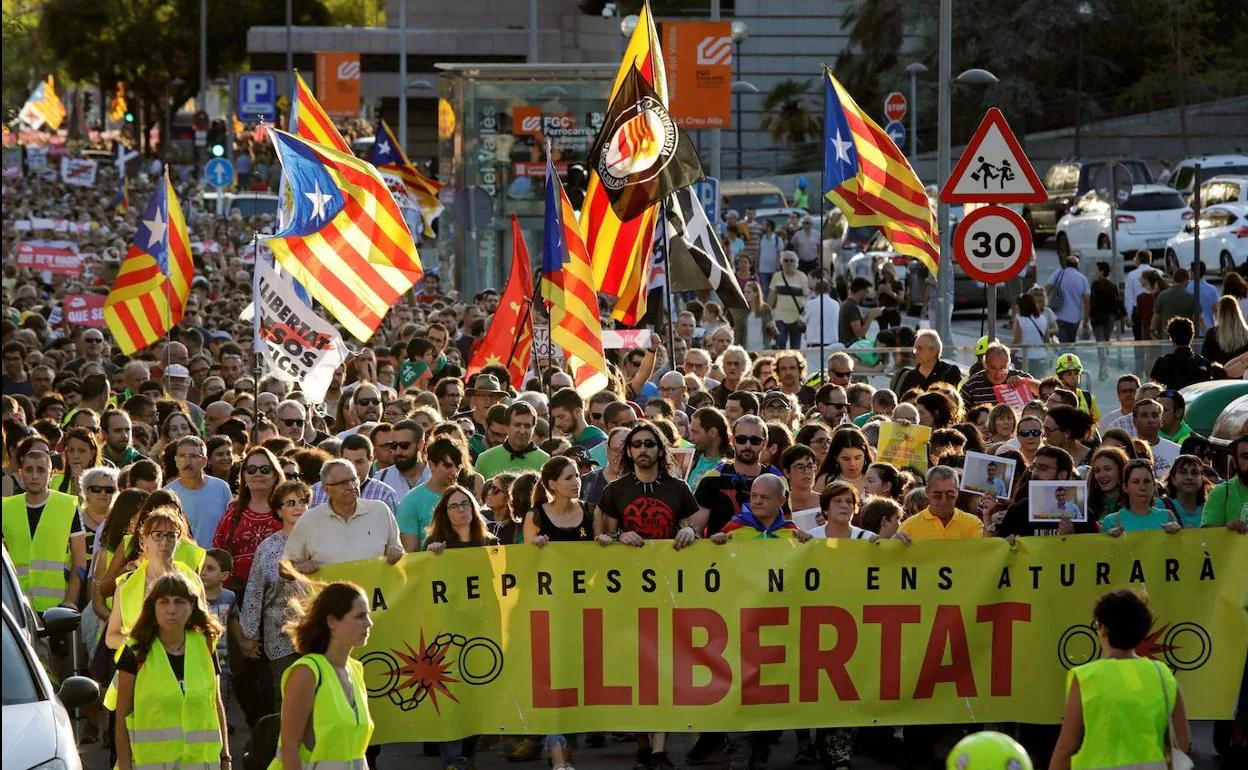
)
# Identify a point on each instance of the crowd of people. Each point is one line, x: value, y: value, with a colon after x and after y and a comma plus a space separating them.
x: 180, y: 499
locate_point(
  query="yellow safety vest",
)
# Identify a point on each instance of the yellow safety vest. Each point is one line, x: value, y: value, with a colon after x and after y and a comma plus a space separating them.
x: 133, y: 589
x: 42, y: 558
x: 172, y: 727
x: 1124, y: 713
x: 187, y: 553
x: 342, y: 732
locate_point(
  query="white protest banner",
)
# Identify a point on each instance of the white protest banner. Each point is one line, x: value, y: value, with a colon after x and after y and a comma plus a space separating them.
x: 79, y: 172
x: 625, y: 339
x: 298, y: 345
x: 542, y: 349
x: 36, y: 158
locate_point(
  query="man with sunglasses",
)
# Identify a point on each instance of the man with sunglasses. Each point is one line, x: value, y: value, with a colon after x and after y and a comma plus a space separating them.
x: 725, y: 488
x: 832, y: 403
x: 647, y: 503
x: 365, y: 405
x: 405, y: 442
x: 203, y: 497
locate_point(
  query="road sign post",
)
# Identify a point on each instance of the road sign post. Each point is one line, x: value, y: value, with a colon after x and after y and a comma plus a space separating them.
x: 220, y: 174
x: 257, y: 97
x: 708, y: 194
x: 993, y: 244
x: 896, y: 131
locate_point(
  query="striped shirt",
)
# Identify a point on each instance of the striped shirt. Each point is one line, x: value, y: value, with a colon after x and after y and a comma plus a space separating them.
x: 371, y: 489
x: 978, y: 389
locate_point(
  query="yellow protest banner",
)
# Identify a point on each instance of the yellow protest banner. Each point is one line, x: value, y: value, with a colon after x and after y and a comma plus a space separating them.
x: 770, y: 634
x: 905, y: 446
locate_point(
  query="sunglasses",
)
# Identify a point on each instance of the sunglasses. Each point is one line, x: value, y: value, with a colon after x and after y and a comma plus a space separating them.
x: 648, y: 443
x: 263, y: 470
x: 368, y: 402
x: 403, y: 445
x: 305, y: 501
x: 1030, y: 433
x: 751, y: 440
x: 596, y: 415
x: 835, y: 373
x: 832, y: 404
x: 293, y: 423
x: 98, y: 490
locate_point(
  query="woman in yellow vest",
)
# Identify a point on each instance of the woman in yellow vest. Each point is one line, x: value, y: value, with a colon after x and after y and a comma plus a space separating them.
x: 127, y: 556
x: 161, y: 532
x: 325, y: 716
x: 1120, y: 709
x: 169, y: 709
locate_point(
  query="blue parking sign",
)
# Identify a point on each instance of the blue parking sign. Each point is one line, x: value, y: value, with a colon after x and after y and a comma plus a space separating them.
x: 257, y: 97
x: 708, y: 195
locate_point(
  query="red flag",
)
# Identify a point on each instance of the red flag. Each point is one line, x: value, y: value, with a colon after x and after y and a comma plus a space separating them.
x: 509, y: 337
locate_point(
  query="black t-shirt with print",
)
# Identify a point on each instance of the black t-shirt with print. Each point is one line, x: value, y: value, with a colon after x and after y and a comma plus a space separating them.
x: 653, y: 510
x: 129, y: 663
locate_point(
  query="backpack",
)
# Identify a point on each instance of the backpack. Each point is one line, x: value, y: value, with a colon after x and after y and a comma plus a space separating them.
x: 1056, y: 299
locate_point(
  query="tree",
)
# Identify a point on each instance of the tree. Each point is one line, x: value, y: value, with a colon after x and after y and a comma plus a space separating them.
x: 149, y: 43
x: 876, y: 29
x: 792, y: 121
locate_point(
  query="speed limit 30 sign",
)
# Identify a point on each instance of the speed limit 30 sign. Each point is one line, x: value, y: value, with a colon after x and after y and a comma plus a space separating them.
x: 993, y: 244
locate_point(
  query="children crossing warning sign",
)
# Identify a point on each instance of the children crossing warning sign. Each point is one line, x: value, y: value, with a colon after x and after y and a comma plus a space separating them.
x: 993, y: 168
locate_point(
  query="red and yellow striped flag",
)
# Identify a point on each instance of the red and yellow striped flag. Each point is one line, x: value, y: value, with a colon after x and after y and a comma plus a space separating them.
x: 621, y: 251
x: 150, y: 292
x: 309, y: 121
x: 568, y: 282
x: 346, y: 241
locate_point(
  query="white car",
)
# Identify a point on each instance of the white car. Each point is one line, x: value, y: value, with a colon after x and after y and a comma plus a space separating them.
x: 1146, y: 219
x: 37, y: 730
x: 1224, y: 189
x: 1184, y: 177
x: 1223, y: 239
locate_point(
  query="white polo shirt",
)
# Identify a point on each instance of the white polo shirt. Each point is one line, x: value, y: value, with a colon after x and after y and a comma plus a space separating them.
x: 325, y: 536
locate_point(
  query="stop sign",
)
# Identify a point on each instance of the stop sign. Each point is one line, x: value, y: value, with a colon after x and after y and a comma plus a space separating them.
x: 895, y: 106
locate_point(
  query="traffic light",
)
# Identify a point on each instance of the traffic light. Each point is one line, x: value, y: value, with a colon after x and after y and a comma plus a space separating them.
x: 129, y: 116
x: 578, y: 180
x: 217, y: 138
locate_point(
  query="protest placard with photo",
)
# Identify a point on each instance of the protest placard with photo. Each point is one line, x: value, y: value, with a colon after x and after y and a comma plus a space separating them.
x: 1056, y: 500
x: 988, y: 474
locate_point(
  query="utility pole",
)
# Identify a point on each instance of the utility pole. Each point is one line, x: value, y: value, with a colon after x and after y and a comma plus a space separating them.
x: 717, y: 135
x: 942, y: 308
x: 403, y: 75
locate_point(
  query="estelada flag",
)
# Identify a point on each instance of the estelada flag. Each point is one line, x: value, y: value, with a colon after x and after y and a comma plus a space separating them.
x: 509, y: 334
x: 640, y: 155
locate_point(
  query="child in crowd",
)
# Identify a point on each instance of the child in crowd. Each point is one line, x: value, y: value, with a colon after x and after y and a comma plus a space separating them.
x: 218, y: 563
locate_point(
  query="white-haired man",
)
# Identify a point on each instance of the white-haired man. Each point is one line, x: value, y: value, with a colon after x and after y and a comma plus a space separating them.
x: 929, y: 368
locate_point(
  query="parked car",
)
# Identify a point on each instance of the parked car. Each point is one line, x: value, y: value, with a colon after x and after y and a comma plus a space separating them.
x: 1224, y: 188
x: 1184, y: 177
x: 249, y: 203
x: 1223, y: 239
x: 1066, y: 183
x: 1147, y: 219
x: 37, y: 729
x: 751, y: 195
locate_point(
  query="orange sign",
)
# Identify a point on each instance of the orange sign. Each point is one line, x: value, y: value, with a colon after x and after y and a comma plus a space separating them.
x: 698, y: 55
x: 338, y: 83
x: 529, y: 121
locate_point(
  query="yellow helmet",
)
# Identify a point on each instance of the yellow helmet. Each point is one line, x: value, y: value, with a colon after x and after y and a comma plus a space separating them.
x: 981, y: 347
x: 1068, y: 362
x: 988, y: 751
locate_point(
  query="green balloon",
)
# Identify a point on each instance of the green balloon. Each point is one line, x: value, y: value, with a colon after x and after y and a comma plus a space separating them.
x: 988, y: 751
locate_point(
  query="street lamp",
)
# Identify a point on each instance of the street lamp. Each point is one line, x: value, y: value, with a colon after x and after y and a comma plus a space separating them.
x: 741, y: 87
x: 1084, y: 12
x: 629, y: 24
x: 740, y: 32
x: 171, y: 91
x: 915, y: 69
x: 942, y: 311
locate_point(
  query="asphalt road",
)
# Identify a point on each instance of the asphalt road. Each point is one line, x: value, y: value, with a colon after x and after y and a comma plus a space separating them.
x: 619, y: 754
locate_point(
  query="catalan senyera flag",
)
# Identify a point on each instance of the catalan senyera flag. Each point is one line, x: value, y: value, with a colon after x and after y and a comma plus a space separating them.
x: 866, y: 175
x: 346, y: 240
x: 150, y: 292
x: 117, y: 111
x: 568, y: 283
x: 621, y: 250
x: 509, y: 335
x: 309, y: 121
x: 44, y: 106
x: 405, y: 179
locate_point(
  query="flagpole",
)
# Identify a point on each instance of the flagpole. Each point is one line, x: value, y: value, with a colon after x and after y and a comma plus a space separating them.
x: 667, y: 287
x: 257, y: 356
x: 828, y: 283
x: 168, y: 282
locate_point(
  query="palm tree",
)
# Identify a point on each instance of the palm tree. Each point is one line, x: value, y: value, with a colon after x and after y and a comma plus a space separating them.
x: 792, y: 121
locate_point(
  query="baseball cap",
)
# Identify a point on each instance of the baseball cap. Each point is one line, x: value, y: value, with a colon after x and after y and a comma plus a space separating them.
x: 177, y: 370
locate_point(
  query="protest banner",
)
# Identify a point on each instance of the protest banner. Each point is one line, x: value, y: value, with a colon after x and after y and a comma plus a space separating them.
x: 770, y: 634
x: 84, y: 310
x: 1016, y: 397
x: 12, y: 162
x: 79, y: 172
x: 904, y: 445
x: 36, y: 158
x: 48, y: 256
x: 626, y: 339
x: 298, y: 345
x: 543, y: 350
